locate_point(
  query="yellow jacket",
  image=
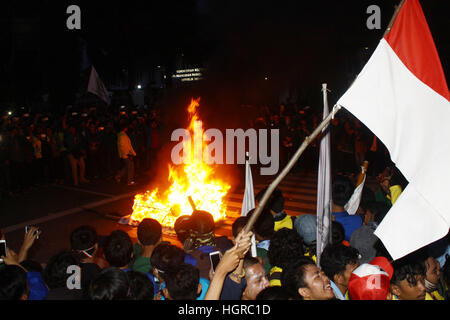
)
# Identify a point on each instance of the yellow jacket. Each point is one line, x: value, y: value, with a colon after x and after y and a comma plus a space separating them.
x: 124, y: 145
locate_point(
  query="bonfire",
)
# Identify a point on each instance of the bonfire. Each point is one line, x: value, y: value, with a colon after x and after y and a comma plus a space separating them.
x: 194, y: 181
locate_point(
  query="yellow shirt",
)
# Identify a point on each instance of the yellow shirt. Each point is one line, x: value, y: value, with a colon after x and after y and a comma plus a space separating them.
x: 275, y: 274
x: 286, y: 222
x: 437, y: 296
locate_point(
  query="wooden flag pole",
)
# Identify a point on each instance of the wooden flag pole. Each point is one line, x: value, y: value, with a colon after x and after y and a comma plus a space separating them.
x: 397, y: 10
x: 288, y: 167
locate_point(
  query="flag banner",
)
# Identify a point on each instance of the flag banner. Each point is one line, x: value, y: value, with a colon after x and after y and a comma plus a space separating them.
x: 401, y: 95
x: 324, y: 186
x: 353, y: 204
x: 248, y: 202
x: 97, y: 87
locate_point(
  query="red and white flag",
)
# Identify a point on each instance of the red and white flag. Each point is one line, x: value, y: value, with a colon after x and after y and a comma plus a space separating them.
x: 97, y: 87
x: 402, y: 96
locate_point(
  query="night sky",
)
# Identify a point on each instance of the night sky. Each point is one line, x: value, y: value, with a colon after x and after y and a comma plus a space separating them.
x: 294, y: 43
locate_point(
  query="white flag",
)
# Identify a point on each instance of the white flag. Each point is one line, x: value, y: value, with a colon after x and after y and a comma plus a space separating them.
x: 97, y: 87
x: 401, y: 95
x: 353, y: 204
x: 248, y: 203
x: 323, y: 235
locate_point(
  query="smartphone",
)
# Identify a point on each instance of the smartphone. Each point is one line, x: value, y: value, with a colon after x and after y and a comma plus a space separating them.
x: 2, y: 249
x: 214, y: 257
x: 36, y: 232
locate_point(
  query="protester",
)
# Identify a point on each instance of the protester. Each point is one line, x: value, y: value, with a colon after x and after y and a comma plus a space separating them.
x: 342, y: 190
x: 202, y: 241
x: 126, y: 154
x: 55, y: 276
x: 408, y: 279
x: 285, y: 248
x: 276, y: 206
x: 255, y: 276
x: 13, y: 283
x: 273, y: 293
x: 264, y: 230
x: 149, y: 234
x: 141, y: 288
x: 84, y: 241
x: 303, y: 280
x: 306, y: 226
x: 111, y: 284
x: 338, y: 262
x: 363, y: 239
x: 369, y: 282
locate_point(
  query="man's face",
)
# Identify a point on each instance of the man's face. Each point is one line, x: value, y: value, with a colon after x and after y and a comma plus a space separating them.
x: 407, y: 291
x: 348, y: 272
x: 433, y: 270
x: 256, y: 281
x: 319, y: 287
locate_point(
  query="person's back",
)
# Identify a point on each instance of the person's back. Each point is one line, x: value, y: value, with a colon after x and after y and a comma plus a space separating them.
x: 275, y: 204
x: 55, y: 276
x: 13, y: 283
x: 84, y: 242
x: 111, y: 284
x: 182, y: 283
x: 149, y: 233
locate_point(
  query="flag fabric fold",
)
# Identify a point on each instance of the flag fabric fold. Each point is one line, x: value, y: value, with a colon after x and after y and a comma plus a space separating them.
x: 97, y: 87
x: 323, y: 212
x: 248, y: 202
x: 401, y: 95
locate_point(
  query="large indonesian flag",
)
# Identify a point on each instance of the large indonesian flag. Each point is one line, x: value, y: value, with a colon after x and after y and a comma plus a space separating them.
x: 402, y: 96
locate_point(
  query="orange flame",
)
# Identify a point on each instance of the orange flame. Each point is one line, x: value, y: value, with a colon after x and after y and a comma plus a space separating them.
x: 195, y: 179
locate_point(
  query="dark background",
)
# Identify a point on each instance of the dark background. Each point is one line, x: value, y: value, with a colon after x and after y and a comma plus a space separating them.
x: 295, y: 44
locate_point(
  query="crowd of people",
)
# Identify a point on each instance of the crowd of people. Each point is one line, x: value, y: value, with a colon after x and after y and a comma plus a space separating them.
x: 351, y: 141
x: 76, y: 147
x: 354, y: 266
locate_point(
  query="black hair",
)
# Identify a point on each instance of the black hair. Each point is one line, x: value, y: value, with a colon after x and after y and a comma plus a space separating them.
x: 182, y: 227
x: 337, y: 232
x: 166, y: 257
x: 55, y: 273
x: 141, y: 287
x: 238, y: 224
x: 250, y: 261
x: 408, y: 268
x: 82, y: 238
x: 286, y: 246
x: 118, y: 249
x: 13, y: 283
x: 202, y: 222
x: 342, y: 190
x: 275, y: 202
x: 149, y: 232
x: 264, y: 225
x: 293, y: 277
x: 273, y: 293
x: 110, y: 284
x: 182, y: 282
x: 336, y: 257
